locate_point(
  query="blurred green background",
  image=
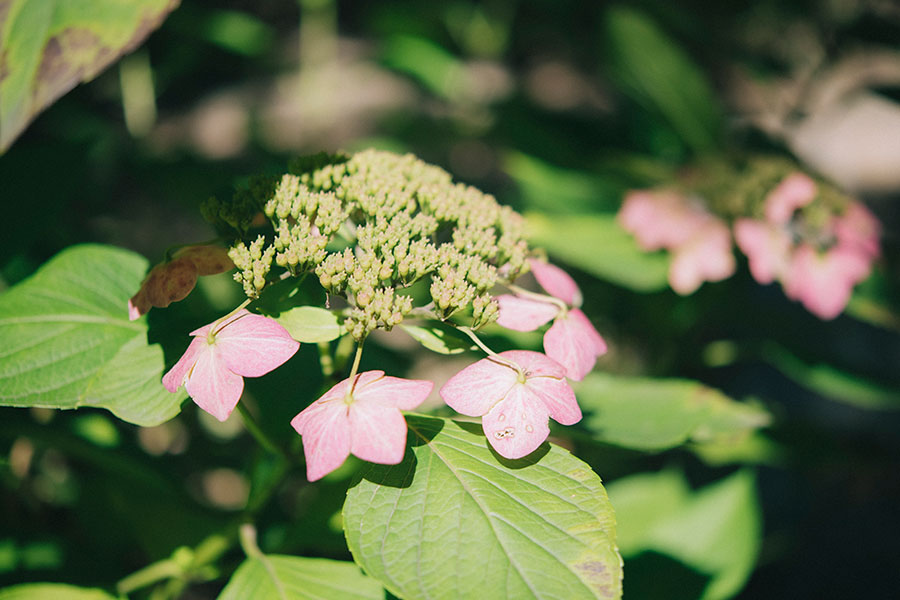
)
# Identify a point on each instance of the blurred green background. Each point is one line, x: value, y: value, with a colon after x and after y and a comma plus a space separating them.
x: 557, y: 107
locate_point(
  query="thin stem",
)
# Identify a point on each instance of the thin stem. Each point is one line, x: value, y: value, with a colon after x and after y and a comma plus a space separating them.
x: 256, y: 431
x: 491, y: 354
x: 355, y: 368
x: 163, y: 569
x: 539, y: 297
x: 247, y: 537
x: 326, y: 360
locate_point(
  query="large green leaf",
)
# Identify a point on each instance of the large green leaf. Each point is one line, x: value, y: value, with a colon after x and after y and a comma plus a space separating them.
x: 715, y: 530
x: 657, y: 72
x: 655, y: 414
x: 595, y: 243
x: 273, y: 576
x: 54, y: 591
x: 453, y: 520
x: 66, y: 341
x: 47, y: 47
x: 547, y: 187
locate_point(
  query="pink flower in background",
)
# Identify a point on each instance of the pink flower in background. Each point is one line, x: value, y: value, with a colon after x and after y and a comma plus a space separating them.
x: 823, y: 281
x: 516, y: 405
x: 364, y: 421
x: 700, y: 243
x: 768, y: 248
x: 213, y: 367
x: 172, y: 281
x: 794, y: 192
x: 572, y: 340
x: 821, y: 271
x: 706, y: 256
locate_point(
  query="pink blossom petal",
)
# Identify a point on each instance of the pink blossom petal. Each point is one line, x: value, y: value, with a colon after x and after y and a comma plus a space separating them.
x: 795, y: 191
x: 478, y: 387
x: 325, y: 428
x: 660, y: 218
x: 823, y: 282
x: 859, y: 229
x: 767, y: 248
x: 138, y: 305
x: 558, y: 397
x: 395, y: 392
x: 211, y: 385
x: 516, y: 426
x: 706, y: 256
x: 378, y: 433
x: 556, y: 282
x: 524, y: 314
x: 252, y: 345
x: 176, y: 376
x: 572, y: 343
x: 535, y: 364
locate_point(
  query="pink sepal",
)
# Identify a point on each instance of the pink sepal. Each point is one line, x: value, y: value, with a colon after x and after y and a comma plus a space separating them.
x: 556, y: 282
x: 574, y: 343
x: 524, y: 314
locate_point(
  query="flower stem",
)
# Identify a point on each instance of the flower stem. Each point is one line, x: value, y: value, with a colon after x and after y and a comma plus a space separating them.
x: 355, y: 368
x: 519, y: 291
x: 491, y: 354
x: 256, y: 431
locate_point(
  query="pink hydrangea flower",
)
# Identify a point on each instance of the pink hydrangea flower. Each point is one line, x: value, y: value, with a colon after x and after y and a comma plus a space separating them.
x: 794, y: 192
x: 858, y: 229
x: 362, y: 419
x: 213, y: 367
x: 572, y: 340
x: 699, y: 242
x: 706, y: 256
x: 515, y: 403
x: 767, y: 248
x: 823, y: 281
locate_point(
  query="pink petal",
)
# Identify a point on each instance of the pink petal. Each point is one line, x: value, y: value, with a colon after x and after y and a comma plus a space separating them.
x: 556, y: 282
x: 767, y: 248
x: 524, y: 314
x: 475, y: 389
x: 572, y: 342
x: 535, y: 364
x: 795, y: 191
x: 378, y: 433
x: 176, y: 376
x: 211, y: 385
x: 138, y: 305
x: 517, y: 425
x: 405, y: 394
x: 823, y: 282
x: 252, y: 345
x: 325, y: 427
x: 660, y: 218
x: 706, y: 256
x: 558, y: 397
x: 858, y: 228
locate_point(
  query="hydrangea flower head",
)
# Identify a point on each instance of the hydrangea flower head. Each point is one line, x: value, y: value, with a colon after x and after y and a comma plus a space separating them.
x: 572, y: 340
x: 213, y: 367
x: 515, y: 396
x: 360, y: 417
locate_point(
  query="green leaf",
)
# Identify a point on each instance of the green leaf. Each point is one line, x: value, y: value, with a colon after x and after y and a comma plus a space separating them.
x: 655, y: 414
x: 833, y: 383
x: 310, y: 324
x: 47, y: 47
x: 56, y: 591
x: 715, y: 530
x: 658, y: 73
x: 66, y: 341
x: 598, y: 245
x: 547, y: 187
x: 264, y: 577
x: 439, y: 339
x: 454, y: 520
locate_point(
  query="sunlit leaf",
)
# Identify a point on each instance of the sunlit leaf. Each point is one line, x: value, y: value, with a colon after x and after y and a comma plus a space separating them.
x: 310, y: 324
x: 559, y: 190
x: 66, y: 341
x: 715, y: 530
x: 438, y: 339
x: 453, y: 520
x: 54, y: 591
x: 595, y: 243
x: 270, y: 576
x: 658, y: 73
x: 47, y: 47
x: 655, y: 414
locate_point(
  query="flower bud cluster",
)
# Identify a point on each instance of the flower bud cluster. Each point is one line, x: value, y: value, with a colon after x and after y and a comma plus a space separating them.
x: 377, y: 223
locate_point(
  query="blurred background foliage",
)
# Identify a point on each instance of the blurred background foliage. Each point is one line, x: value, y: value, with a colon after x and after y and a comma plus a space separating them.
x: 557, y: 108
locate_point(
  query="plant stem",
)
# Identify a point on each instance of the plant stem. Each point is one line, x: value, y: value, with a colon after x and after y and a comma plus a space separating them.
x: 326, y: 360
x: 256, y: 431
x: 491, y: 354
x: 355, y: 368
x: 539, y: 297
